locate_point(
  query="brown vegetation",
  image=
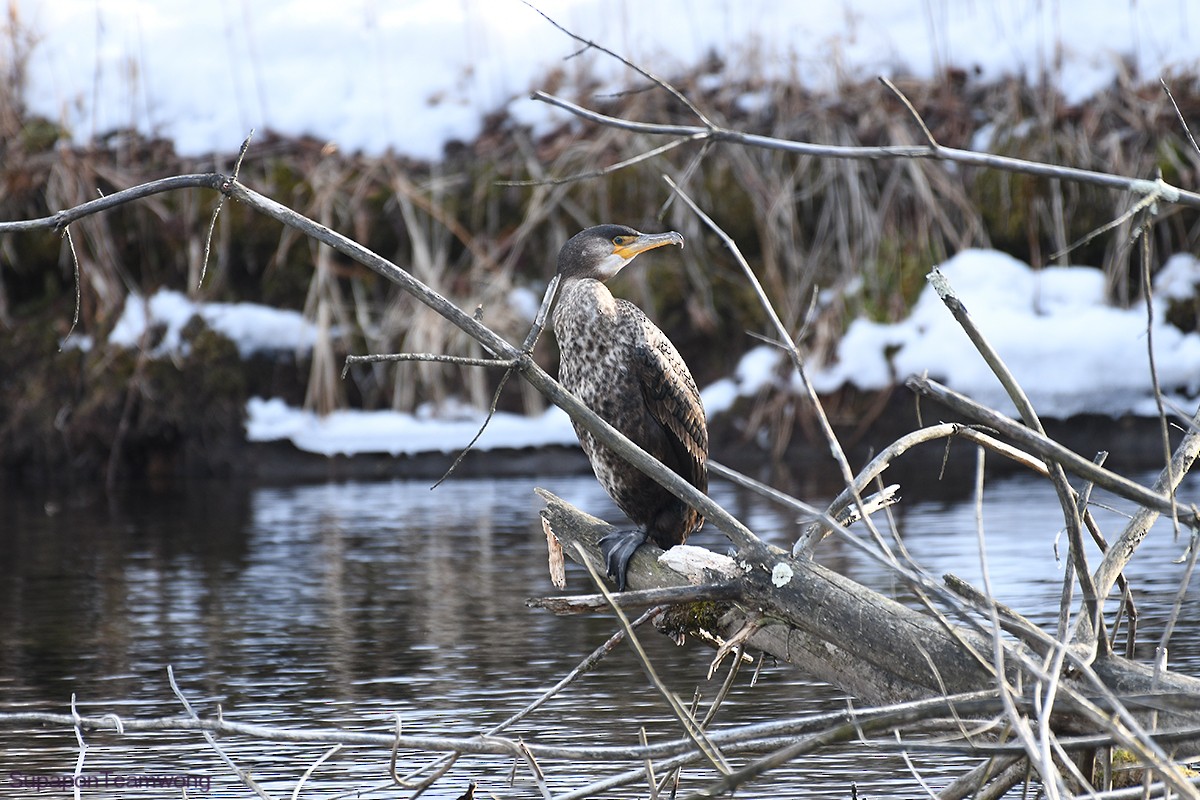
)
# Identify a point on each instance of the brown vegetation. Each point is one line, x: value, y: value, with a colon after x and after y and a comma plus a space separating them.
x: 868, y: 230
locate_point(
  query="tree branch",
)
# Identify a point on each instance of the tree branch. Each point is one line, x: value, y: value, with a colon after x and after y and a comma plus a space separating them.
x: 58, y: 221
x: 1159, y: 189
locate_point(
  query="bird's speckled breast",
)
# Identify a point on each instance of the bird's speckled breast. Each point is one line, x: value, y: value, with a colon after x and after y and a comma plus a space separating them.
x: 591, y: 343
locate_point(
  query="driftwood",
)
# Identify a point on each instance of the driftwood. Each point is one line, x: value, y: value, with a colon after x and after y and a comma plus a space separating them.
x: 868, y: 645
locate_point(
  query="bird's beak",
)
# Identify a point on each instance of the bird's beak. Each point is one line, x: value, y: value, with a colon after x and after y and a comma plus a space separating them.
x: 648, y: 241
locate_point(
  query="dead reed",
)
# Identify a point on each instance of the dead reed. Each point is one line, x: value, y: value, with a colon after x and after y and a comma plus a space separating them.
x: 864, y: 233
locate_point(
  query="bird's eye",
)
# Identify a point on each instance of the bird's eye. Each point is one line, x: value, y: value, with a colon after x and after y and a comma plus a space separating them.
x: 620, y: 241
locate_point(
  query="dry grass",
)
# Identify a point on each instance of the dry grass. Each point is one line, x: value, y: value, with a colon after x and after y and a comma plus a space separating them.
x: 868, y: 231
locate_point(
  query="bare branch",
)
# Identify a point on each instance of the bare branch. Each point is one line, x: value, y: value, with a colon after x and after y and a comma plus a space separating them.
x: 328, y: 754
x: 586, y: 603
x: 814, y: 533
x: 678, y: 95
x: 437, y: 358
x: 75, y: 719
x: 66, y: 232
x: 1178, y: 113
x: 1058, y: 477
x: 611, y: 168
x: 785, y: 337
x: 1048, y: 448
x: 212, y: 225
x: 531, y: 338
x: 65, y: 217
x: 911, y: 110
x: 1122, y: 550
x: 690, y: 726
x: 1159, y: 189
x: 242, y: 774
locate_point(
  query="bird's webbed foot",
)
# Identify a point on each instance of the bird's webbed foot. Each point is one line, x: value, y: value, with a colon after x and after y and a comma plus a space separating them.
x: 618, y: 547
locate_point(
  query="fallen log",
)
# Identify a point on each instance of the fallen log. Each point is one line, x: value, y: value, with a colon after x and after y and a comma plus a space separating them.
x: 876, y: 649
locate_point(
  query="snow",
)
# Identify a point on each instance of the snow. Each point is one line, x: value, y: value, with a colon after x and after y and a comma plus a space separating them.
x: 411, y: 75
x: 1070, y: 351
x: 351, y: 431
x: 253, y: 328
x: 755, y: 371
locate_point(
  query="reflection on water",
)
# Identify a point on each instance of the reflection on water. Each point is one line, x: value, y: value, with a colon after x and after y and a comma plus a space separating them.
x: 346, y: 604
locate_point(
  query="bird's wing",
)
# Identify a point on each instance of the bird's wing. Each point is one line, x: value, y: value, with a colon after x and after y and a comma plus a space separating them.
x: 673, y: 399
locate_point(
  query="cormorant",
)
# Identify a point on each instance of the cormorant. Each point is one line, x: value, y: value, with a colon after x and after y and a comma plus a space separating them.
x: 614, y: 359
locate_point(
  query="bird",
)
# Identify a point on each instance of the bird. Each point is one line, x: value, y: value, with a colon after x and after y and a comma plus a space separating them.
x: 626, y: 370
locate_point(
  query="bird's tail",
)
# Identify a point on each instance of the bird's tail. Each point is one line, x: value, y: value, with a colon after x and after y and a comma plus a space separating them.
x: 618, y: 547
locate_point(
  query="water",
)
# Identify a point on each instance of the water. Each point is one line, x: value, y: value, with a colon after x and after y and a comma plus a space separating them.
x: 343, y: 605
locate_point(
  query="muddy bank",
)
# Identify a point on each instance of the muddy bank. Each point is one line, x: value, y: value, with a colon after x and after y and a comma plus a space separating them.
x: 91, y: 414
x: 802, y: 465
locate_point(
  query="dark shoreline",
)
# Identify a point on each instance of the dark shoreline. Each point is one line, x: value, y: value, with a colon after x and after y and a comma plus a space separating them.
x: 745, y: 438
x: 1134, y: 445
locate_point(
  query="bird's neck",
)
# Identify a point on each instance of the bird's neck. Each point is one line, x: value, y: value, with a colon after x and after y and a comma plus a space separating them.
x: 584, y: 299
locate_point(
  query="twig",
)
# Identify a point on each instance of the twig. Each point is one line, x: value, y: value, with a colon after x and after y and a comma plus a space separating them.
x: 538, y: 776
x: 1141, y: 205
x: 1180, y: 593
x: 1178, y: 113
x: 993, y: 770
x: 436, y: 358
x: 1148, y: 297
x: 212, y: 225
x: 1048, y: 448
x: 817, y: 531
x: 690, y: 726
x: 1168, y: 479
x: 82, y: 746
x: 1011, y: 621
x: 912, y: 769
x: 678, y: 95
x: 851, y: 728
x: 673, y: 595
x: 1058, y: 476
x: 1017, y: 723
x: 599, y: 173
x: 586, y: 665
x: 913, y: 111
x: 650, y: 781
x: 583, y: 667
x: 789, y: 346
x: 61, y: 219
x: 727, y: 686
x: 66, y: 232
x: 313, y: 768
x: 527, y: 346
x: 242, y: 775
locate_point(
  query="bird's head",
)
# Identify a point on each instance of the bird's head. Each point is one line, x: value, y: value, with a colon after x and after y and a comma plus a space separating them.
x: 602, y: 251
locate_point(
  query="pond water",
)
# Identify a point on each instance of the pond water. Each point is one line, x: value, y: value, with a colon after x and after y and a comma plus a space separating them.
x: 343, y: 605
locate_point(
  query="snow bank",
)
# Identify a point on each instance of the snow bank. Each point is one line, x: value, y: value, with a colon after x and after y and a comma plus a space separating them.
x: 253, y: 328
x: 396, y: 433
x: 1070, y: 351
